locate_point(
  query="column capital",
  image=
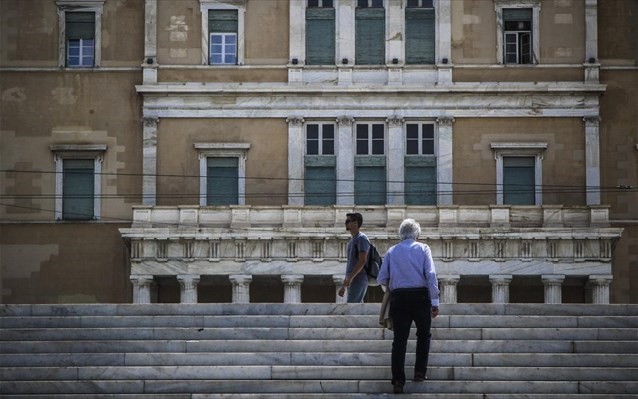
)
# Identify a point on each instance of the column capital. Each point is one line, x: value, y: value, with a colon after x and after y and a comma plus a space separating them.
x: 240, y: 278
x: 150, y: 121
x: 141, y: 279
x: 395, y: 121
x: 449, y: 279
x: 188, y: 278
x: 500, y: 278
x: 592, y: 121
x: 445, y: 121
x: 600, y: 279
x: 346, y: 120
x: 292, y: 278
x: 295, y: 120
x: 553, y: 278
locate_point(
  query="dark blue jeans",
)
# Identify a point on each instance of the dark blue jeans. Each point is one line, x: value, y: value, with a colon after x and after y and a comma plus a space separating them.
x: 406, y: 306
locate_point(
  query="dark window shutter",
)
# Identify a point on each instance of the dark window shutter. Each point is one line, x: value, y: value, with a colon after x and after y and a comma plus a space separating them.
x: 370, y: 36
x: 420, y: 185
x: 519, y: 180
x: 80, y: 25
x: 320, y: 36
x: 369, y: 185
x: 517, y: 14
x: 222, y: 181
x: 222, y: 21
x: 419, y: 36
x: 78, y: 189
x: 320, y: 183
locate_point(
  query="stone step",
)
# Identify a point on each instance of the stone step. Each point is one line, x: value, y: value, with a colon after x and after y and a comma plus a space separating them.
x: 305, y: 321
x: 360, y: 346
x: 314, y: 358
x: 323, y: 396
x: 344, y: 372
x: 327, y: 387
x: 309, y: 309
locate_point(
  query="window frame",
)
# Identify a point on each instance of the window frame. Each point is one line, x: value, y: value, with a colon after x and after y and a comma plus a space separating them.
x: 63, y: 152
x: 535, y: 5
x: 370, y: 139
x: 431, y: 4
x: 535, y: 150
x: 69, y: 6
x: 223, y: 54
x: 421, y: 159
x: 207, y: 5
x: 320, y: 138
x: 222, y: 150
x: 306, y: 39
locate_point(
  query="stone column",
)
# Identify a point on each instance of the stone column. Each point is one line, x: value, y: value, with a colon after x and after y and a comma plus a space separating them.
x: 345, y: 161
x: 592, y: 159
x: 553, y: 284
x: 448, y: 288
x: 395, y: 157
x: 296, y: 151
x: 444, y: 161
x: 149, y: 64
x: 241, y: 287
x: 188, y: 288
x: 338, y: 280
x: 592, y: 66
x: 600, y: 288
x: 444, y: 42
x: 142, y: 288
x: 501, y: 288
x: 149, y: 160
x: 292, y: 287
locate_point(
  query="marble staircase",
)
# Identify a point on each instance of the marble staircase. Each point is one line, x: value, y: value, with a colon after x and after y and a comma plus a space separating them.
x: 294, y: 351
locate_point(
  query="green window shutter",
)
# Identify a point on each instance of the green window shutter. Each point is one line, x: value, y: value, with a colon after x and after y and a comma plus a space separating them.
x: 320, y: 36
x: 222, y: 21
x: 222, y: 181
x: 519, y: 181
x: 320, y: 183
x: 78, y: 182
x: 370, y: 36
x: 517, y: 14
x: 420, y: 185
x: 419, y: 36
x: 369, y: 185
x: 80, y: 25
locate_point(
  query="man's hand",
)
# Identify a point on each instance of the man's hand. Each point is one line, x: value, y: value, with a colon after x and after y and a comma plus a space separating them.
x: 342, y: 291
x: 435, y: 311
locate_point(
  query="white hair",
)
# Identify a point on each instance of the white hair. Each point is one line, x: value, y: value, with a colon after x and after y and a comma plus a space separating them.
x: 409, y: 229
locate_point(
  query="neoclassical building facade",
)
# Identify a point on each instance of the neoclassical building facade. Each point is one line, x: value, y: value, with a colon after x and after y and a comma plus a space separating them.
x: 252, y: 127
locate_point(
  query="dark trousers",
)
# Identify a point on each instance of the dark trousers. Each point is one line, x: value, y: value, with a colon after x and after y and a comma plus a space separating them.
x: 406, y: 306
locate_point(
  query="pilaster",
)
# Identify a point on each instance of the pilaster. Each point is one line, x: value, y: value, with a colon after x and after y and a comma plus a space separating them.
x: 188, y: 288
x: 296, y: 151
x: 553, y: 287
x: 448, y: 288
x: 241, y: 287
x: 592, y: 159
x: 149, y: 65
x: 444, y: 160
x: 501, y: 288
x: 592, y: 66
x: 292, y: 287
x: 345, y: 160
x: 149, y: 160
x: 142, y: 288
x: 396, y: 153
x: 444, y: 42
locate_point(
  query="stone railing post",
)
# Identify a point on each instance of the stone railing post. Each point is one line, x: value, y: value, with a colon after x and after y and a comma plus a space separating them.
x: 241, y: 287
x: 448, y: 288
x: 338, y: 280
x: 599, y: 285
x: 188, y: 288
x: 292, y: 287
x: 553, y: 287
x: 142, y: 288
x: 501, y: 288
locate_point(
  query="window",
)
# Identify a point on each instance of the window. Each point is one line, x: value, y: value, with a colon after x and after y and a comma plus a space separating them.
x: 80, y: 33
x: 517, y: 35
x: 517, y: 31
x: 222, y: 173
x: 370, y: 32
x: 420, y: 164
x: 419, y: 32
x: 370, y: 165
x: 222, y: 26
x: 320, y: 176
x: 519, y: 173
x: 224, y: 43
x: 78, y: 181
x: 320, y: 32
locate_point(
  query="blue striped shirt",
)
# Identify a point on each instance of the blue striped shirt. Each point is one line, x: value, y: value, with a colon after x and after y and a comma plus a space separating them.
x: 409, y: 264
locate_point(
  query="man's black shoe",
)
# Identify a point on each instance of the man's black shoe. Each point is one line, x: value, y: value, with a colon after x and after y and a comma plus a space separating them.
x: 398, y: 387
x: 419, y: 377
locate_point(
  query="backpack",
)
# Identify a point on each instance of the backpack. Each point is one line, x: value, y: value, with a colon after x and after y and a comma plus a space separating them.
x: 373, y: 265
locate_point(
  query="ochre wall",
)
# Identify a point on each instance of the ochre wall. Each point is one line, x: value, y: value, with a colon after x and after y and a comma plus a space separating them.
x: 474, y: 166
x: 64, y: 263
x: 266, y: 162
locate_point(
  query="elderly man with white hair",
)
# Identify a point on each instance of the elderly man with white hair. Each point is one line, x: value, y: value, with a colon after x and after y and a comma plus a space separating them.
x: 408, y: 271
